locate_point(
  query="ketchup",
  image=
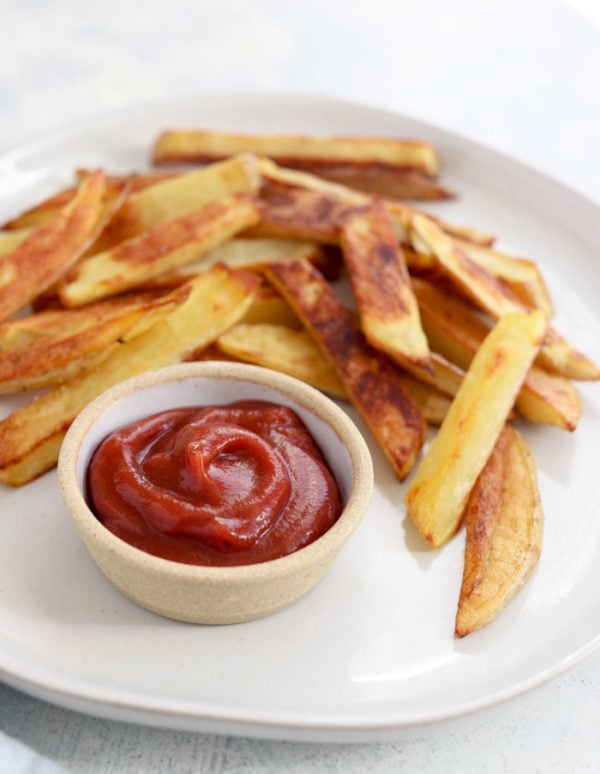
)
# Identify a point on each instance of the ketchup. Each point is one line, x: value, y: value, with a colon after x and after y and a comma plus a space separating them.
x: 217, y: 485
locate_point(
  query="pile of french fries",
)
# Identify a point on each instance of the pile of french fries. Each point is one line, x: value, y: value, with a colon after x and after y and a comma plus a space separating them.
x: 241, y: 258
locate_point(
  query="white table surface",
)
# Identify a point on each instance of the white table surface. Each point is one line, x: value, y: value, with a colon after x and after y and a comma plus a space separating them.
x: 521, y: 76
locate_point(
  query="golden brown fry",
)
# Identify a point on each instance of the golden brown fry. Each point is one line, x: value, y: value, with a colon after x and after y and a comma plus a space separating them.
x: 51, y: 249
x: 276, y: 175
x: 301, y: 213
x: 177, y: 195
x: 420, y: 263
x: 162, y: 248
x: 252, y: 255
x: 439, y: 491
x: 549, y: 399
x: 115, y: 185
x: 10, y: 240
x: 559, y: 357
x: 371, y: 381
x: 393, y: 183
x: 452, y: 326
x: 283, y: 349
x: 54, y: 359
x: 389, y: 314
x: 58, y: 321
x: 203, y: 308
x: 504, y: 524
x: 402, y: 215
x: 521, y: 275
x: 42, y: 211
x: 432, y: 404
x: 198, y: 146
x: 268, y: 306
x: 495, y: 298
x: 443, y: 375
x: 396, y: 181
x: 257, y: 254
x: 456, y: 331
x: 475, y: 282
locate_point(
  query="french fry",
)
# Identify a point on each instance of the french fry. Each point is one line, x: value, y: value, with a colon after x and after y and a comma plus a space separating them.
x: 391, y: 167
x: 456, y: 331
x: 30, y: 437
x: 42, y: 211
x: 59, y: 321
x: 193, y: 145
x: 250, y: 254
x: 161, y: 248
x: 283, y: 349
x: 443, y: 375
x: 504, y: 526
x: 48, y: 297
x: 521, y: 275
x: 276, y: 175
x: 389, y: 314
x: 559, y: 357
x: 438, y: 493
x: 212, y: 352
x: 394, y: 183
x: 54, y: 359
x: 10, y: 240
x: 549, y: 399
x: 486, y: 292
x: 432, y: 404
x: 371, y: 381
x: 420, y: 264
x: 403, y: 214
x: 495, y: 298
x: 268, y: 306
x: 115, y: 186
x: 41, y: 258
x: 177, y: 195
x: 257, y: 254
x: 300, y: 213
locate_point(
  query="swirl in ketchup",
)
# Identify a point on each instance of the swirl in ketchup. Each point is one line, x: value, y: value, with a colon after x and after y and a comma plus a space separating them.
x: 217, y: 485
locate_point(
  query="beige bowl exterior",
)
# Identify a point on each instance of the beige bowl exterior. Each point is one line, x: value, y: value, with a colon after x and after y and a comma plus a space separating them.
x: 214, y: 595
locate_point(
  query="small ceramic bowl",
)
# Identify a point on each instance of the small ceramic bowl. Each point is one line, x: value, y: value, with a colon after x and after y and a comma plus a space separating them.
x: 200, y: 594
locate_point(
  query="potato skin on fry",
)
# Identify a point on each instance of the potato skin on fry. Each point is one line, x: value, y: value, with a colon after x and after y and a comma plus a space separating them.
x: 372, y: 382
x: 301, y: 213
x: 388, y: 309
x: 504, y: 525
x: 400, y: 212
x: 52, y: 248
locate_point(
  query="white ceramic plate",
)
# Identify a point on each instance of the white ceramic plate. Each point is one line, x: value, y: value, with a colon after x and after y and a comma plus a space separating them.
x: 370, y: 650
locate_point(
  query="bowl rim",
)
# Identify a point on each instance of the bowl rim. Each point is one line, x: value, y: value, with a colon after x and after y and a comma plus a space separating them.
x: 307, y: 397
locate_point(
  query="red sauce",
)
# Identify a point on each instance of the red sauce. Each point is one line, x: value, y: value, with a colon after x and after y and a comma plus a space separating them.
x: 217, y: 485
